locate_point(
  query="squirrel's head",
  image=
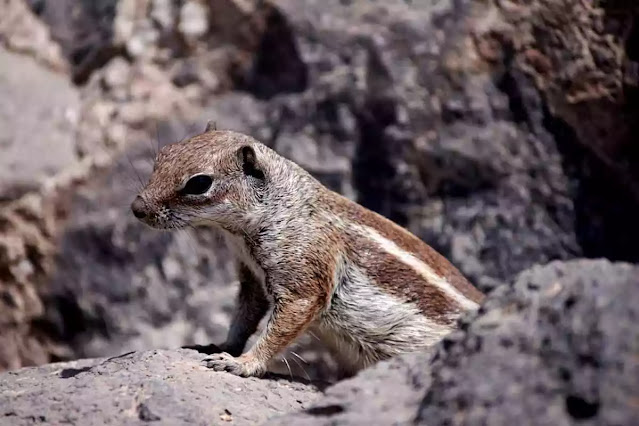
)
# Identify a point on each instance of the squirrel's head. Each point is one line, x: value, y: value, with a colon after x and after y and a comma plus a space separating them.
x: 215, y: 178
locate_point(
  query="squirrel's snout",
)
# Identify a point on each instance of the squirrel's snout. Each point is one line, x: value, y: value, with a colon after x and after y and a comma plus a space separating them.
x: 138, y: 207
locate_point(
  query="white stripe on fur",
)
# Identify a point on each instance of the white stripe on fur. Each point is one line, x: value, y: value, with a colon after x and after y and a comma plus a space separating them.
x: 420, y: 267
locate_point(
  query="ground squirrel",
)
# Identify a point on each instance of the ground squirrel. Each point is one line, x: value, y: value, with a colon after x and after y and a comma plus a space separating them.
x: 311, y: 258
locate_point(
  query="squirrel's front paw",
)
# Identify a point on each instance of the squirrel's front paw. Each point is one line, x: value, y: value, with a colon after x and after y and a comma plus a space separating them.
x: 245, y: 365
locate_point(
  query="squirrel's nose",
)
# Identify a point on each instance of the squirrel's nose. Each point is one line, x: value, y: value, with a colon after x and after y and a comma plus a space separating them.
x: 138, y: 206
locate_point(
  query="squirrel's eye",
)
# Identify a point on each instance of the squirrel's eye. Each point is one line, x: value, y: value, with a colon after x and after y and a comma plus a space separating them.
x: 197, y: 185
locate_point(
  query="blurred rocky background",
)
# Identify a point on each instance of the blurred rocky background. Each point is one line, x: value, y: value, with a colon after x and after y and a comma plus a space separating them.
x: 502, y: 132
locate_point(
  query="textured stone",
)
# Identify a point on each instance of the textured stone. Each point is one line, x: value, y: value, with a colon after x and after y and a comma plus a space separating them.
x: 82, y: 29
x: 193, y: 20
x: 37, y: 167
x: 29, y: 227
x: 384, y: 394
x: 584, y: 65
x: 561, y: 343
x: 37, y: 139
x: 167, y: 387
x: 559, y: 347
x: 21, y: 31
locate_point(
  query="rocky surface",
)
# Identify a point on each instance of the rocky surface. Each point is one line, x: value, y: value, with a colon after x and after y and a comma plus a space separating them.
x: 21, y: 31
x: 385, y: 394
x: 581, y: 60
x: 38, y: 137
x: 162, y: 387
x: 559, y: 347
x: 29, y: 228
x: 561, y: 343
x: 38, y: 167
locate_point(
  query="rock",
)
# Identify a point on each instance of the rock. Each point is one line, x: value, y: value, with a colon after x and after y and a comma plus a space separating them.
x: 21, y: 31
x: 168, y: 387
x: 38, y: 166
x: 386, y: 393
x: 589, y: 77
x: 83, y: 30
x: 117, y: 75
x: 163, y: 12
x: 583, y: 65
x: 193, y: 21
x: 34, y: 123
x: 29, y: 227
x: 561, y: 343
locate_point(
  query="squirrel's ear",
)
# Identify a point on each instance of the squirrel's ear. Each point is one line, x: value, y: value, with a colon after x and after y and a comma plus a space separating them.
x: 249, y: 162
x: 210, y: 125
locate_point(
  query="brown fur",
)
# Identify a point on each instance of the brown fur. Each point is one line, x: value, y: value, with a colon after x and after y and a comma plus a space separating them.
x: 398, y: 279
x: 407, y: 241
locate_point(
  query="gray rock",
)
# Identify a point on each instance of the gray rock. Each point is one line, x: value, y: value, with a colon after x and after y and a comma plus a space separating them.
x: 193, y: 21
x: 38, y: 116
x: 167, y: 387
x: 21, y: 31
x: 83, y: 29
x: 384, y: 394
x: 557, y: 348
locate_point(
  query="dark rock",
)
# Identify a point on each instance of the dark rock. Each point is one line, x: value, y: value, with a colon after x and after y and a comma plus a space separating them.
x: 588, y: 97
x: 557, y: 348
x: 162, y: 387
x: 560, y: 343
x: 84, y: 30
x: 277, y: 66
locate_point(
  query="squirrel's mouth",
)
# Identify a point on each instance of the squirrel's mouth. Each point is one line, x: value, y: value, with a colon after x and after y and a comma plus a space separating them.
x: 161, y: 217
x: 164, y: 222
